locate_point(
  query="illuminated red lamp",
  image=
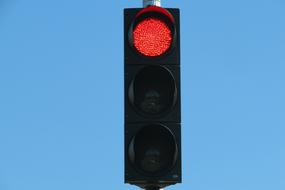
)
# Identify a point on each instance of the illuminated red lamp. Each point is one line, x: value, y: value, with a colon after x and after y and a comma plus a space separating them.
x: 152, y: 35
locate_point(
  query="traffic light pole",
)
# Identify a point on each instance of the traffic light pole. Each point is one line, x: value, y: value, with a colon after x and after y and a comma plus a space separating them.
x: 151, y: 2
x: 153, y: 188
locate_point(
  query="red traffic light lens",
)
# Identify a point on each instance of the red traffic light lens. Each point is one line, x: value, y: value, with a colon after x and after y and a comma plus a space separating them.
x: 152, y: 37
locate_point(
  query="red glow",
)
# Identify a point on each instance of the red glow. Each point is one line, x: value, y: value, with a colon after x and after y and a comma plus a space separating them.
x: 152, y: 37
x: 157, y: 10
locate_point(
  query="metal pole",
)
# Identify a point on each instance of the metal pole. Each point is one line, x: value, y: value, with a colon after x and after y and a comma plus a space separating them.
x: 153, y: 188
x: 151, y: 2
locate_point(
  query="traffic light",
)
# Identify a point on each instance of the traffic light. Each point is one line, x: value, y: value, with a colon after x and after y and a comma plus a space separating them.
x: 152, y: 97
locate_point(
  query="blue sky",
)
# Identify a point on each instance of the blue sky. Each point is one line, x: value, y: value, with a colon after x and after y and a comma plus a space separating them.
x: 61, y: 94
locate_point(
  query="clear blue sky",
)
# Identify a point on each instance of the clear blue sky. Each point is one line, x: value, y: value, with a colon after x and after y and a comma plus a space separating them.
x: 61, y: 94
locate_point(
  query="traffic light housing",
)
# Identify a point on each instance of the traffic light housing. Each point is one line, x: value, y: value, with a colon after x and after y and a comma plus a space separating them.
x: 152, y: 96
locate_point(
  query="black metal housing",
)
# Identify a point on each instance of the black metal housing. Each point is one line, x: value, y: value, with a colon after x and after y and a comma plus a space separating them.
x: 135, y: 120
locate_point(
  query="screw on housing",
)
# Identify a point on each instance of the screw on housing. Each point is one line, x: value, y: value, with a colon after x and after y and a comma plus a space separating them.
x: 147, y: 3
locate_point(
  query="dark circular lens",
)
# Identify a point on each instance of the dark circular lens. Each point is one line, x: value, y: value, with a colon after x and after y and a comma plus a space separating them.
x: 153, y: 149
x: 153, y: 90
